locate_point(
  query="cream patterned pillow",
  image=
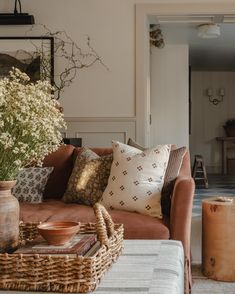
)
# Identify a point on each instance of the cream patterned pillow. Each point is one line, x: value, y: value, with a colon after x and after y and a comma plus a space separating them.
x: 89, y: 178
x: 31, y: 183
x: 172, y: 171
x: 136, y: 179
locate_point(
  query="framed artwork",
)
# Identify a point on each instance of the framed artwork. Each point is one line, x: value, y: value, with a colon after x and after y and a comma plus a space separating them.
x: 32, y: 55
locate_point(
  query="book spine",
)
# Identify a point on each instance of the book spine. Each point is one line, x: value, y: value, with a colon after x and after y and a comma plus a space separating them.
x: 80, y: 249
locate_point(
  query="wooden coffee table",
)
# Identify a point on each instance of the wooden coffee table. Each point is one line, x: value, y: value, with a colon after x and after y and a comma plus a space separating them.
x: 146, y: 266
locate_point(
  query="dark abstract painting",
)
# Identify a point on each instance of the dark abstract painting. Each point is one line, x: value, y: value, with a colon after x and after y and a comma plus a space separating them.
x: 29, y: 65
x: 32, y: 55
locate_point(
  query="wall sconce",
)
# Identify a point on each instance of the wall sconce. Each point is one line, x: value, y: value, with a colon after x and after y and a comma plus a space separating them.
x: 214, y: 100
x: 17, y: 17
x: 156, y: 37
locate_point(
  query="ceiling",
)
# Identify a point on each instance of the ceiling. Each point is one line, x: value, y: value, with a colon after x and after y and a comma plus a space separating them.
x: 204, y: 54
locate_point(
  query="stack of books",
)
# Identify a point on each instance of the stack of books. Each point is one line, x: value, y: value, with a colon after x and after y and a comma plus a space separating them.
x: 81, y: 244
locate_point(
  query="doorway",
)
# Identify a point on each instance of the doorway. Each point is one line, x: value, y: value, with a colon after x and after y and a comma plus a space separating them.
x: 143, y: 13
x: 210, y: 63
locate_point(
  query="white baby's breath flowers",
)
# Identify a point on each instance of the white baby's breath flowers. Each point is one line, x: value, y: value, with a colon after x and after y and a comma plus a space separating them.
x: 30, y: 123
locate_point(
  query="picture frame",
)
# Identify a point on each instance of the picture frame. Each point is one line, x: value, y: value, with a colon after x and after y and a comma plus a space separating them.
x: 33, y: 55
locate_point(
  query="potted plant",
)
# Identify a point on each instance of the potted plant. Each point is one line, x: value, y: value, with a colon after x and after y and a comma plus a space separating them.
x: 229, y: 127
x: 30, y: 123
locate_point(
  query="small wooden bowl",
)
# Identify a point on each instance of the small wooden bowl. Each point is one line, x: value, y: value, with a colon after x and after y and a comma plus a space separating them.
x: 58, y: 233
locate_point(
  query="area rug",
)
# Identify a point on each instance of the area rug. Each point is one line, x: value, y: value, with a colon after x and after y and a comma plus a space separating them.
x: 203, y: 285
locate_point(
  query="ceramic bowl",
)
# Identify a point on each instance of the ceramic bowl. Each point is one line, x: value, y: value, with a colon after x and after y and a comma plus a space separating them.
x: 58, y: 233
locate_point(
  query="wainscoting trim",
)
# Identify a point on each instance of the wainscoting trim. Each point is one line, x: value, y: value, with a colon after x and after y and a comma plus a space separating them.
x: 100, y: 131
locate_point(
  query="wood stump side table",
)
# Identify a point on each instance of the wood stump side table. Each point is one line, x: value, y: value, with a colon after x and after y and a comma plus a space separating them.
x: 218, y: 239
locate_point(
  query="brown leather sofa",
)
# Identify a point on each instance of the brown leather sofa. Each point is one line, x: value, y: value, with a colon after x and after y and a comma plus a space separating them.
x: 136, y: 226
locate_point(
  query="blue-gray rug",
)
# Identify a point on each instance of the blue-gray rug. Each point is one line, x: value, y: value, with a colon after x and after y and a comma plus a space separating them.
x: 219, y: 185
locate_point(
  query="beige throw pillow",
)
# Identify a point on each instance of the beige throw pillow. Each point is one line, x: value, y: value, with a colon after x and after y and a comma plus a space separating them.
x: 89, y: 178
x: 172, y: 171
x: 136, y: 179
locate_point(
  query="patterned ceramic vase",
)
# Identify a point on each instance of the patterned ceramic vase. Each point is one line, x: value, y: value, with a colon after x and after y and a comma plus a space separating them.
x: 9, y: 218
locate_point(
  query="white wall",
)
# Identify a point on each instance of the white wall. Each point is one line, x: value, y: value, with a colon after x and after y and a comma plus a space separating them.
x: 96, y: 94
x: 169, y: 95
x: 208, y: 119
x: 100, y: 104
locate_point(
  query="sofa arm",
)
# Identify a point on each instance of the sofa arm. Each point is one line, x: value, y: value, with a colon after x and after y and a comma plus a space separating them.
x: 181, y: 210
x: 180, y: 219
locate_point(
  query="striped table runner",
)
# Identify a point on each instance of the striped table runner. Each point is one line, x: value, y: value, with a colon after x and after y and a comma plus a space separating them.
x: 146, y: 266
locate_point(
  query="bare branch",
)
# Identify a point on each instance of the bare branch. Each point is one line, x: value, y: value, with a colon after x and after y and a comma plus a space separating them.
x: 71, y: 55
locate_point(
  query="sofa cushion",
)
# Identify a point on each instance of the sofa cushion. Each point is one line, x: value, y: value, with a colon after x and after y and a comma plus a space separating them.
x: 136, y: 226
x: 172, y: 171
x: 62, y: 161
x: 98, y: 151
x: 132, y: 143
x: 136, y: 179
x: 31, y: 183
x: 89, y: 178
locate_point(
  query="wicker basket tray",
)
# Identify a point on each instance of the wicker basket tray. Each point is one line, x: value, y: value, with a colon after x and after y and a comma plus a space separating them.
x: 34, y: 272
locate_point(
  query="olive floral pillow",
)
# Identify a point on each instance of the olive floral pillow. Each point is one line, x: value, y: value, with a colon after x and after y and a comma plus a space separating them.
x: 31, y: 183
x: 89, y: 178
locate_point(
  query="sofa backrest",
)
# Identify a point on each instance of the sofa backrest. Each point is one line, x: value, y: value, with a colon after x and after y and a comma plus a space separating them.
x: 185, y: 169
x: 99, y: 151
x: 63, y: 159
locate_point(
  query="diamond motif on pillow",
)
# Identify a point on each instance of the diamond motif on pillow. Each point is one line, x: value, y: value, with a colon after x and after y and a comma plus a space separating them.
x: 30, y: 176
x: 23, y: 183
x: 26, y: 190
x: 143, y: 180
x: 157, y: 151
x: 22, y: 175
x: 31, y: 183
x: 38, y: 178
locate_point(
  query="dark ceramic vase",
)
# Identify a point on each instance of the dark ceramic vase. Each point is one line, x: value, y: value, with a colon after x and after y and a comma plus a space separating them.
x: 9, y: 218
